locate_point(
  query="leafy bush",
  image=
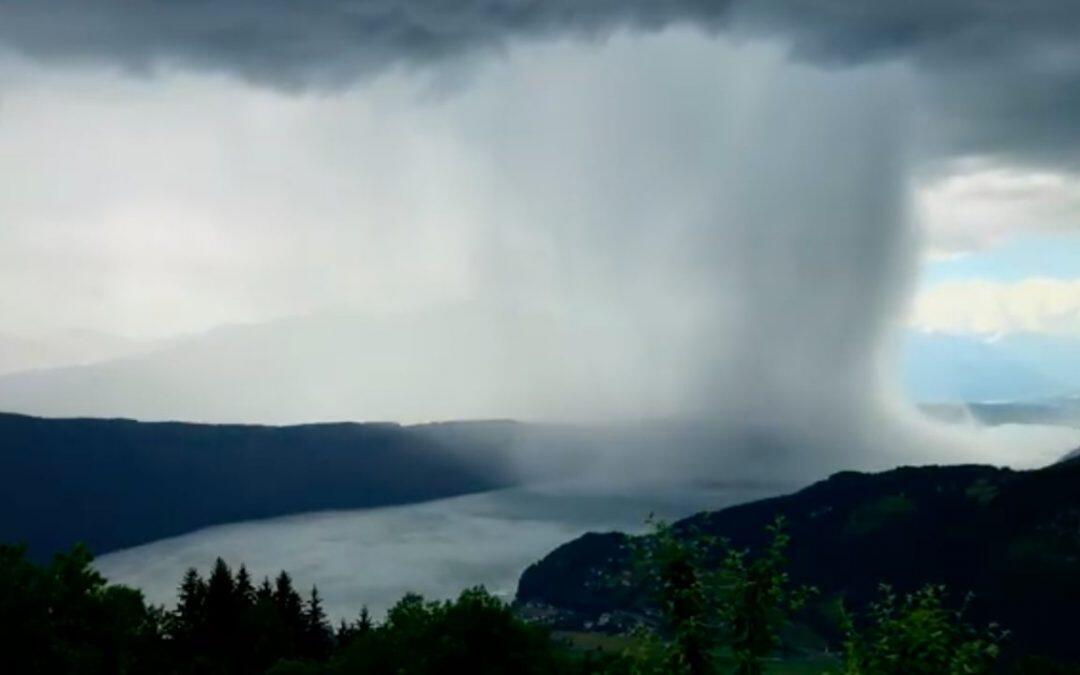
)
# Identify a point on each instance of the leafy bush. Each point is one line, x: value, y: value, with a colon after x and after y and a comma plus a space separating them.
x: 738, y: 604
x: 477, y: 633
x: 719, y: 609
x: 917, y: 634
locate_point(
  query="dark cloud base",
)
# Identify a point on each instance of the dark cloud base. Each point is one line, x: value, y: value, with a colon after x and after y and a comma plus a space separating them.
x: 1002, y: 76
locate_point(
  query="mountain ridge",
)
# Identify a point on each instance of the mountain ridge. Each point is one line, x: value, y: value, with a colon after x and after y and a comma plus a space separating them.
x: 114, y: 483
x: 326, y: 363
x: 1010, y: 537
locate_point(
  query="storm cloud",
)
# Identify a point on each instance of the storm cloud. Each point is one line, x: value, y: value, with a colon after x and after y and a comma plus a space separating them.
x: 643, y: 208
x: 1000, y: 77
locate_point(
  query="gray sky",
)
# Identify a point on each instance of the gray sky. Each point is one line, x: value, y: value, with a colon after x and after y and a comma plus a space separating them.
x: 614, y: 208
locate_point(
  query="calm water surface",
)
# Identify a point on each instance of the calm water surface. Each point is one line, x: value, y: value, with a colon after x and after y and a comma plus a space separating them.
x: 374, y: 556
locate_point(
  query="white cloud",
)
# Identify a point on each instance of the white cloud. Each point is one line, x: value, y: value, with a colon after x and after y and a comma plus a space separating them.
x: 988, y: 307
x: 976, y: 205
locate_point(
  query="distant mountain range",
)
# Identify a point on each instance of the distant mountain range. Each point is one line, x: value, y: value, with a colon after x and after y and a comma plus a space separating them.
x: 1063, y: 411
x: 1012, y: 538
x: 72, y: 348
x: 347, y: 367
x: 441, y: 363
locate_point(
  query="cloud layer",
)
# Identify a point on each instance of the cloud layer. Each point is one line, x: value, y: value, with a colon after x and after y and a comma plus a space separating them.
x: 707, y: 200
x: 1001, y: 76
x: 978, y: 206
x: 990, y: 308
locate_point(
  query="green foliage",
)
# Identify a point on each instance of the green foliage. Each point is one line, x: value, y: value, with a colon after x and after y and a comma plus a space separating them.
x: 227, y: 625
x: 349, y: 630
x: 64, y: 618
x: 917, y: 634
x: 876, y: 514
x: 720, y: 610
x: 712, y: 596
x: 758, y: 599
x: 477, y: 633
x: 683, y: 584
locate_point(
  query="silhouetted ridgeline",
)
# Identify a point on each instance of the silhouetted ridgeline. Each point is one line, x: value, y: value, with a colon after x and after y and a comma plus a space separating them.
x: 1012, y: 538
x: 118, y: 483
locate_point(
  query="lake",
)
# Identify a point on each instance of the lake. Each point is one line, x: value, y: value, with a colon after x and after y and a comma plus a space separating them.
x: 374, y: 556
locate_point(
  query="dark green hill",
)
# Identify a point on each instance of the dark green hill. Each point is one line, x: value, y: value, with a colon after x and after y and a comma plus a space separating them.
x: 1012, y: 538
x: 118, y: 483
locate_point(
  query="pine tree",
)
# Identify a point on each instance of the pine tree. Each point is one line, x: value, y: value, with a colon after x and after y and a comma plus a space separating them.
x: 265, y: 592
x: 290, y: 608
x: 318, y: 636
x: 220, y: 594
x: 220, y: 584
x: 221, y: 611
x: 286, y: 598
x: 190, y: 609
x: 344, y: 632
x: 246, y: 628
x: 364, y: 624
x: 244, y: 591
x: 349, y: 630
x: 271, y: 640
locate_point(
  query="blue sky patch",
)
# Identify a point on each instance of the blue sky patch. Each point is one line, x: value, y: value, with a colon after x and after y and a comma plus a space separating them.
x: 1022, y: 257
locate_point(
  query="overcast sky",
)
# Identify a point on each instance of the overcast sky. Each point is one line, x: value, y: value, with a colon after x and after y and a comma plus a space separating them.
x: 724, y: 184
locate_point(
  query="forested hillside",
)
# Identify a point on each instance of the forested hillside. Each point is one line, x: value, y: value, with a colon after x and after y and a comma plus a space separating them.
x: 1012, y: 538
x: 117, y: 483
